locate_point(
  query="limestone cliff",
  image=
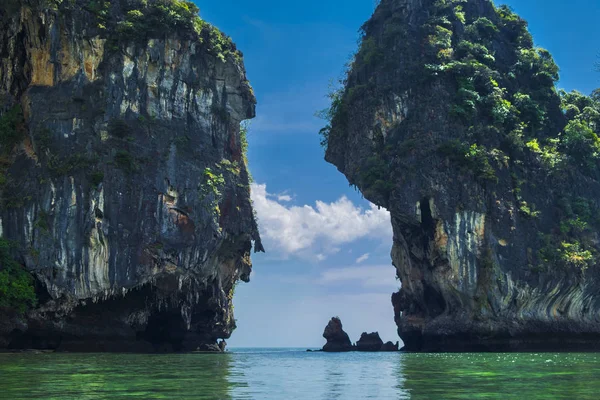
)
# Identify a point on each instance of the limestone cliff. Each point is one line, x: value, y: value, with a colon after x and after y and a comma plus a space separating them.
x: 124, y: 184
x: 450, y: 119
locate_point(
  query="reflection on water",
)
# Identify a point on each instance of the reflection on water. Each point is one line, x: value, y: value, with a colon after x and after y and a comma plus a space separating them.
x: 295, y: 374
x: 518, y: 376
x: 111, y: 376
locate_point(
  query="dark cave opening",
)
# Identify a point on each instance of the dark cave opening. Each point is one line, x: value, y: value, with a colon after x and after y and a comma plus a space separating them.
x: 434, y: 301
x: 427, y: 222
x: 165, y: 328
x: 33, y: 339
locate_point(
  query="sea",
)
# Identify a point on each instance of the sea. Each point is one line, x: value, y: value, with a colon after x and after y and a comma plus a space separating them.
x: 296, y: 374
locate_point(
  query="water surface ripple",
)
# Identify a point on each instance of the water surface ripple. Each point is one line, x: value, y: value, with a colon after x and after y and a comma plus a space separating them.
x: 295, y: 374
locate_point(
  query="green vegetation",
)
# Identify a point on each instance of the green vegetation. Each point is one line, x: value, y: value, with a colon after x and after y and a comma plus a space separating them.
x: 210, y: 189
x: 482, y: 29
x: 507, y: 100
x: 119, y: 128
x: 100, y: 9
x: 220, y: 44
x: 573, y: 254
x: 474, y: 158
x: 43, y: 139
x: 244, y: 128
x: 12, y: 129
x: 484, y: 86
x: 580, y: 142
x: 96, y: 178
x: 145, y: 19
x: 60, y: 166
x: 139, y: 20
x: 528, y: 210
x: 12, y: 132
x: 374, y: 178
x: 231, y: 167
x: 566, y: 254
x: 125, y: 161
x: 370, y: 53
x: 500, y: 117
x: 16, y: 284
x: 465, y: 105
x: 158, y: 17
x: 213, y: 182
x: 486, y: 98
x: 335, y: 114
x: 182, y: 143
x: 573, y: 245
x: 515, y: 26
x: 42, y: 221
x: 551, y: 158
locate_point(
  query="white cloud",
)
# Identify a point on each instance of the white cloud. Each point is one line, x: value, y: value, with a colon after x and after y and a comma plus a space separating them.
x: 362, y: 258
x: 284, y: 197
x: 367, y: 276
x: 320, y: 230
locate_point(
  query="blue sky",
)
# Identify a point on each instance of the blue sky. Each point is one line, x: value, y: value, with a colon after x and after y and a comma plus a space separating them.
x: 328, y: 249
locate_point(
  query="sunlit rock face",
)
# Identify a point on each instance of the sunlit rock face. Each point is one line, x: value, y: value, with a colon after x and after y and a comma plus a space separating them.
x: 128, y: 196
x: 432, y: 125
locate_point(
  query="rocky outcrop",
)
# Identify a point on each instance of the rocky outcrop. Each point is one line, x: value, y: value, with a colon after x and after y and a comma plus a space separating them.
x: 124, y: 183
x: 337, y: 338
x: 389, y: 346
x: 450, y: 119
x: 369, y: 342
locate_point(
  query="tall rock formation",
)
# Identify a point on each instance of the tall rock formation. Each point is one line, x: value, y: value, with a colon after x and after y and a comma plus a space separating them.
x: 337, y: 338
x: 450, y: 119
x: 124, y: 185
x: 369, y: 342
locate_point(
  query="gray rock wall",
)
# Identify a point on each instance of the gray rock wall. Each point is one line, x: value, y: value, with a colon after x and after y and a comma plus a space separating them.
x: 129, y: 194
x: 471, y: 258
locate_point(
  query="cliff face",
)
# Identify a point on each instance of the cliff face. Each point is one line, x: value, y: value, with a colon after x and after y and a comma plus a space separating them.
x: 124, y: 183
x: 450, y: 119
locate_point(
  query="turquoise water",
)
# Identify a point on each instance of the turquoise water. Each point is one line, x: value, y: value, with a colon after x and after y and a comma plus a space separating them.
x: 296, y: 374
